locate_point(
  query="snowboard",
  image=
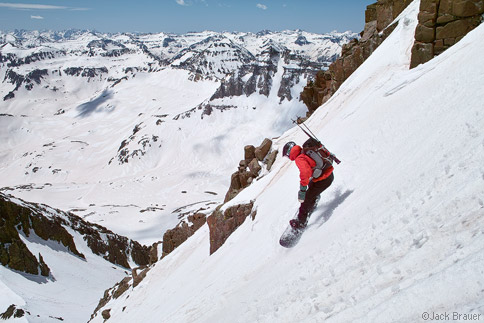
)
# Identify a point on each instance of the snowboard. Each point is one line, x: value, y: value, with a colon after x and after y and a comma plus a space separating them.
x: 291, y: 237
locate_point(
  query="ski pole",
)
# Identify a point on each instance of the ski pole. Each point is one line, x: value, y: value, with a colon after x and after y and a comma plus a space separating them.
x: 309, y: 135
x: 312, y: 135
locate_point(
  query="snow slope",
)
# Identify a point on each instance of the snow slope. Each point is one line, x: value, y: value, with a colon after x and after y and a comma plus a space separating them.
x: 74, y: 287
x: 398, y: 234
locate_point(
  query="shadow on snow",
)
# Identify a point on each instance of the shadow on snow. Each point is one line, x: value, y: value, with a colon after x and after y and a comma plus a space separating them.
x: 326, y: 210
x: 86, y: 109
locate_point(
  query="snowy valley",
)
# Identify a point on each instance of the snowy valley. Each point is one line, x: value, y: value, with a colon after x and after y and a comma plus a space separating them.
x: 157, y: 125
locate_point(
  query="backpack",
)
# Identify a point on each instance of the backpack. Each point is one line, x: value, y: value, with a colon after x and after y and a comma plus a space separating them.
x: 317, y: 152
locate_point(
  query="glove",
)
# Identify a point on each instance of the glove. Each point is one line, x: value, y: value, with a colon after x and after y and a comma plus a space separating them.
x: 301, y: 195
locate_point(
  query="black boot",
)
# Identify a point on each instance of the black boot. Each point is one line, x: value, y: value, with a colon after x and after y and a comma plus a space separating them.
x: 297, y: 224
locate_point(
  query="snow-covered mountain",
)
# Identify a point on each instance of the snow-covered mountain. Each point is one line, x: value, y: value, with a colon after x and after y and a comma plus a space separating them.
x: 398, y: 236
x: 134, y: 132
x: 137, y: 132
x: 126, y: 129
x: 31, y: 57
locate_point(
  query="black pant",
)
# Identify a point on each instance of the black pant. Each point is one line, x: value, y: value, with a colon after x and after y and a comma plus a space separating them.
x: 314, y: 190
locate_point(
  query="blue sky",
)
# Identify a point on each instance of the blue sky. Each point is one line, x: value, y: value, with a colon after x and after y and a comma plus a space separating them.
x: 181, y: 16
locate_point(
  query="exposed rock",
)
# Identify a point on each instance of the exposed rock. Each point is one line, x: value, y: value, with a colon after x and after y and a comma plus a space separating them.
x: 424, y: 34
x: 85, y: 71
x: 106, y: 48
x: 234, y: 86
x: 50, y: 225
x: 271, y: 158
x: 249, y: 152
x: 154, y: 253
x: 254, y: 168
x: 106, y: 314
x: 137, y: 278
x: 257, y: 74
x: 12, y: 311
x: 263, y: 149
x: 30, y: 79
x: 467, y: 8
x: 223, y: 224
x: 135, y: 145
x: 44, y: 269
x: 116, y: 249
x: 14, y: 253
x: 14, y: 61
x: 176, y: 236
x: 442, y: 23
x: 167, y: 41
x: 422, y: 52
x: 114, y: 292
x: 378, y: 16
x: 120, y: 288
x: 17, y: 256
x: 244, y: 65
x: 301, y: 40
x: 243, y: 177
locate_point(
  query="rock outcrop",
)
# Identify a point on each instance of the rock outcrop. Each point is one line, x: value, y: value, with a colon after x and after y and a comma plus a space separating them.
x: 255, y: 158
x: 176, y: 236
x: 250, y: 167
x: 442, y: 23
x: 12, y: 312
x: 378, y: 17
x: 223, y: 223
x: 14, y: 253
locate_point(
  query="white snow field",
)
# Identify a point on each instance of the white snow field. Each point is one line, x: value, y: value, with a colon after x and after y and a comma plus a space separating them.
x: 398, y: 237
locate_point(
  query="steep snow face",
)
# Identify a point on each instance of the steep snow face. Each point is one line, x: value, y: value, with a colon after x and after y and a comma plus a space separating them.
x: 398, y: 235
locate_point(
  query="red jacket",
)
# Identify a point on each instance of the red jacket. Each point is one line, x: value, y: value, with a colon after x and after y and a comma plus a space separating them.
x: 305, y: 165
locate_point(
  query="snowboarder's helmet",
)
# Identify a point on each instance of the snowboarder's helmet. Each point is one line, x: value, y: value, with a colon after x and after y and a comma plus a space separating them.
x: 287, y: 148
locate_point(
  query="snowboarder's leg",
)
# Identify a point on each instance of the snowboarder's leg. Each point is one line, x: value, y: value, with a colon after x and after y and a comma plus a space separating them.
x: 314, y: 190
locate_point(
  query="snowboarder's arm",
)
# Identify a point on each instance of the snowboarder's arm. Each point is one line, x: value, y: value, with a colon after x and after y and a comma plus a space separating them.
x: 305, y: 171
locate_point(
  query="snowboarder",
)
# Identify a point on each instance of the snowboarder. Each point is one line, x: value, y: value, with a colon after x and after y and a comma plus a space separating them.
x: 315, y: 172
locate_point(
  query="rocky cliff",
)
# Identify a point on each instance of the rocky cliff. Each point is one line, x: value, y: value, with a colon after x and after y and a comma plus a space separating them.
x: 442, y: 23
x: 378, y: 17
